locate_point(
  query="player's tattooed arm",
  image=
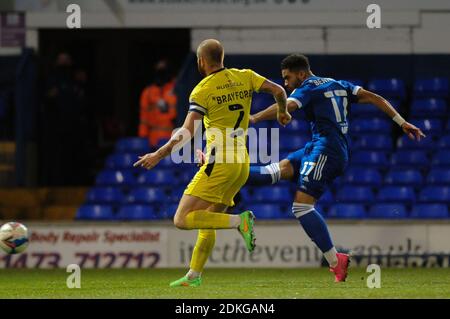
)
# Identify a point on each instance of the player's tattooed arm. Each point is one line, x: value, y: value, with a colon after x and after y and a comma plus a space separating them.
x: 178, y: 139
x: 365, y: 96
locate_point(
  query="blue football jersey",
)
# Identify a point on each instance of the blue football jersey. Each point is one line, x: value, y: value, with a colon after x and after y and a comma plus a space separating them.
x: 325, y: 102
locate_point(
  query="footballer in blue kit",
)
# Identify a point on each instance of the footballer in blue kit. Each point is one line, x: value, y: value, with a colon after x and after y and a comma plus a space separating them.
x: 325, y: 102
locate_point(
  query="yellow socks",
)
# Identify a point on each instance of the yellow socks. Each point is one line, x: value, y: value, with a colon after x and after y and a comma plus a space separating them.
x: 203, y: 247
x: 203, y: 219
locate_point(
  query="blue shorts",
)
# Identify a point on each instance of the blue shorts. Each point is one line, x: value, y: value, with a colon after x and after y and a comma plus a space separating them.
x: 315, y: 170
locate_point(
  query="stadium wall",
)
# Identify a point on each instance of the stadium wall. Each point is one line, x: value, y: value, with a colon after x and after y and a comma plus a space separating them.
x: 284, y: 245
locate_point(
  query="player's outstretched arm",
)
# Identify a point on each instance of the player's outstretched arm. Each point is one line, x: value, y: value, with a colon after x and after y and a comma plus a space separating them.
x: 181, y: 137
x: 365, y: 96
x: 279, y: 110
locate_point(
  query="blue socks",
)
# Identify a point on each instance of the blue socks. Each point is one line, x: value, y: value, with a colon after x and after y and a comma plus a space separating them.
x: 264, y: 175
x: 314, y: 225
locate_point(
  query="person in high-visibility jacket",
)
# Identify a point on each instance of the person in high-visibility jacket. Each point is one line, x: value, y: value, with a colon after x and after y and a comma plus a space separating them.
x: 158, y: 106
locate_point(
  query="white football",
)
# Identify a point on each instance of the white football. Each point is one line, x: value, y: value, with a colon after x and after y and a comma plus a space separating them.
x: 13, y: 238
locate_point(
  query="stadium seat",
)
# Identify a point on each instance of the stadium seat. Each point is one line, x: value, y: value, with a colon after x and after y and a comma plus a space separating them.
x: 161, y: 177
x: 429, y: 126
x: 167, y: 162
x: 95, y: 212
x: 444, y: 142
x: 362, y: 176
x: 136, y: 212
x: 373, y: 142
x: 296, y: 127
x: 176, y: 193
x: 261, y: 101
x: 168, y: 211
x: 391, y: 194
x: 431, y: 87
x: 410, y: 159
x: 442, y: 158
x: 372, y: 125
x: 404, y: 142
x: 437, y: 194
x: 387, y: 211
x: 133, y: 145
x: 146, y: 195
x: 429, y: 211
x: 104, y: 195
x: 266, y: 211
x: 115, y: 178
x: 293, y: 142
x: 121, y: 161
x: 428, y: 108
x: 347, y: 211
x: 369, y: 158
x: 394, y: 88
x: 439, y: 176
x: 358, y: 110
x: 274, y: 194
x: 355, y: 194
x: 327, y: 198
x: 406, y: 177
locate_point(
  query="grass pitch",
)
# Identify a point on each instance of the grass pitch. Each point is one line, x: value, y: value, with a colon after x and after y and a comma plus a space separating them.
x: 225, y: 283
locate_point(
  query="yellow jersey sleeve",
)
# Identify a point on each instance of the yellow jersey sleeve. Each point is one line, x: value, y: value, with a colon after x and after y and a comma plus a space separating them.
x: 256, y: 80
x: 198, y: 102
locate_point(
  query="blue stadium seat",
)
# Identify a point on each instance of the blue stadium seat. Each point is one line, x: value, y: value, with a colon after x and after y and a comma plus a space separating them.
x: 95, y: 212
x: 115, y: 178
x: 146, y: 195
x: 185, y: 176
x: 356, y: 82
x: 431, y: 87
x: 394, y: 88
x: 359, y: 110
x: 373, y: 142
x: 136, y: 212
x: 441, y: 158
x: 167, y: 162
x: 293, y: 142
x: 397, y: 194
x: 429, y: 126
x: 176, y: 193
x: 347, y: 211
x: 355, y: 194
x: 327, y: 198
x: 428, y: 108
x: 369, y: 158
x: 372, y: 125
x: 429, y: 211
x: 296, y: 127
x: 121, y: 161
x: 410, y: 159
x: 133, y: 145
x: 168, y: 211
x: 444, y: 142
x: 439, y: 176
x: 104, y: 195
x: 261, y: 101
x: 161, y: 177
x: 426, y: 144
x: 266, y: 211
x: 362, y: 176
x: 406, y: 177
x: 275, y: 194
x: 437, y: 194
x: 387, y: 211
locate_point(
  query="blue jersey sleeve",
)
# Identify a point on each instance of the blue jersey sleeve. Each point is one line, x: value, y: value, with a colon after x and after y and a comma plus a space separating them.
x: 301, y: 96
x: 352, y: 90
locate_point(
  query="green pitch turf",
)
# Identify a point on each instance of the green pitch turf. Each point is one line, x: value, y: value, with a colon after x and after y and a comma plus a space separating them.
x: 225, y: 283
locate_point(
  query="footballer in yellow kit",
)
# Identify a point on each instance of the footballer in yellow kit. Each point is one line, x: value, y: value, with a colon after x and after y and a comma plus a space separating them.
x: 224, y: 99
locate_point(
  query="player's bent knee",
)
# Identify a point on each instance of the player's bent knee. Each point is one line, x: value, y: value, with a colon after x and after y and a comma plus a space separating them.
x: 287, y: 171
x: 179, y: 221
